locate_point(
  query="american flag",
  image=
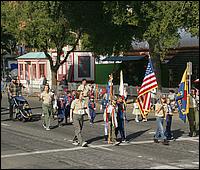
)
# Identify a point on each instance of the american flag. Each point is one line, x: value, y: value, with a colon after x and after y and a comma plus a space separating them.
x: 144, y: 94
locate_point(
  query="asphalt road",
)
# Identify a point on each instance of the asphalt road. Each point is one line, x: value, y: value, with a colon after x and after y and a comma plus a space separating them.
x: 29, y: 146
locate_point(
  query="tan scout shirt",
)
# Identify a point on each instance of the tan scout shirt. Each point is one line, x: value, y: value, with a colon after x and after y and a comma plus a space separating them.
x: 78, y: 105
x: 47, y: 97
x: 85, y: 89
x: 192, y: 102
x: 160, y: 112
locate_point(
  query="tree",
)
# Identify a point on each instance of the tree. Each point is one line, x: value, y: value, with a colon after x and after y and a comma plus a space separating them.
x: 41, y: 25
x: 103, y: 27
x: 156, y: 22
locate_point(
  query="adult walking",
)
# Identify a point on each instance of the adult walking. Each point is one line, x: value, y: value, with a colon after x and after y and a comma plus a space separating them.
x: 85, y: 89
x: 64, y: 83
x: 47, y: 98
x: 14, y: 90
x: 77, y: 112
x: 193, y: 115
x: 160, y: 110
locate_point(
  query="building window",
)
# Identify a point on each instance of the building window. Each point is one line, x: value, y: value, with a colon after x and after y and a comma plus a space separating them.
x: 83, y: 66
x: 21, y: 71
x: 33, y: 72
x: 41, y: 67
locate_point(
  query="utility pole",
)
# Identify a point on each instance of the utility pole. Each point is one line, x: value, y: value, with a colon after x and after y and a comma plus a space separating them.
x: 189, y: 73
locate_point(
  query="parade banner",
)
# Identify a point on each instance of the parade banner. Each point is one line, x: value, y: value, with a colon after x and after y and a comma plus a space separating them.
x: 182, y: 98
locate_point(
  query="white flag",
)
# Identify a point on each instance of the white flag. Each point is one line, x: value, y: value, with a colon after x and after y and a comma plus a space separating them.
x: 121, y: 86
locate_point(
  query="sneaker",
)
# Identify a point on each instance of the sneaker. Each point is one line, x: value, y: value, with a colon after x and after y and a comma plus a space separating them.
x: 165, y: 142
x: 76, y: 143
x: 116, y: 143
x: 136, y: 120
x: 47, y: 128
x: 144, y: 120
x: 123, y: 141
x: 84, y: 144
x: 44, y: 126
x: 155, y: 140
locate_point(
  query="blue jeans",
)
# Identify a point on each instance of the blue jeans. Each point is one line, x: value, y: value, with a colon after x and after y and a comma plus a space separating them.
x: 159, y: 131
x: 168, y: 133
x: 92, y: 115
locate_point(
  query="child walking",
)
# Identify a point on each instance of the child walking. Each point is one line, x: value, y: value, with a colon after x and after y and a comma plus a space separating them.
x: 136, y: 111
x: 120, y: 119
x: 169, y: 115
x: 92, y: 110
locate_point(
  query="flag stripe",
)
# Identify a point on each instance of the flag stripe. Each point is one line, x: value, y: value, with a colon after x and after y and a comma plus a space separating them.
x: 149, y: 77
x: 149, y: 83
x: 149, y: 89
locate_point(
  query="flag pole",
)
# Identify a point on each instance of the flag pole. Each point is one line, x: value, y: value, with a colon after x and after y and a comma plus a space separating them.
x: 110, y: 98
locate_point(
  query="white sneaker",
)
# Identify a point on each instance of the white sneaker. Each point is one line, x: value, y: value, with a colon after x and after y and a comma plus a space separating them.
x: 116, y: 143
x: 136, y: 120
x: 47, y: 129
x: 84, y: 144
x: 75, y: 143
x: 44, y: 126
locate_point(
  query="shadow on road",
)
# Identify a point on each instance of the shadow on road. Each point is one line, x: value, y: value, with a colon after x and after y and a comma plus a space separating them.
x: 40, y: 107
x: 132, y: 136
x: 177, y: 133
x: 95, y: 139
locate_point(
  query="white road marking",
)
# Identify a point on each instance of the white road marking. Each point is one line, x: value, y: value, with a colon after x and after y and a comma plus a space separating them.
x: 141, y: 142
x: 41, y: 152
x: 100, y: 146
x: 151, y: 132
x: 194, y: 152
x: 197, y: 163
x: 195, y: 139
x: 164, y: 167
x: 91, y: 146
x: 56, y: 150
x: 4, y: 124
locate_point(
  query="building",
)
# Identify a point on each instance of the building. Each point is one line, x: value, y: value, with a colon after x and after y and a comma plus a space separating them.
x: 32, y: 65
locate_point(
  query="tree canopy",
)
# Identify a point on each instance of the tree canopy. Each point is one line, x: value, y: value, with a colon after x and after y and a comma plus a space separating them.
x: 102, y: 27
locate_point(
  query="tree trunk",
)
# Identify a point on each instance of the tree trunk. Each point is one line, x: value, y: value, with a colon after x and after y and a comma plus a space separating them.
x: 157, y: 68
x: 155, y: 56
x: 54, y: 77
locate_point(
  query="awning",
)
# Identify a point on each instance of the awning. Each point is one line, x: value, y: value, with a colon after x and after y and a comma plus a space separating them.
x: 123, y: 58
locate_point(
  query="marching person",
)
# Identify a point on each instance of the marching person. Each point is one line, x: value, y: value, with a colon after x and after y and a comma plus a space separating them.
x: 104, y: 103
x: 85, y: 89
x: 136, y: 111
x: 110, y: 119
x: 68, y: 99
x: 77, y: 112
x: 160, y: 109
x: 14, y: 89
x: 92, y: 110
x: 61, y: 103
x: 64, y: 83
x: 193, y: 115
x: 47, y: 98
x: 120, y: 119
x: 169, y: 115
